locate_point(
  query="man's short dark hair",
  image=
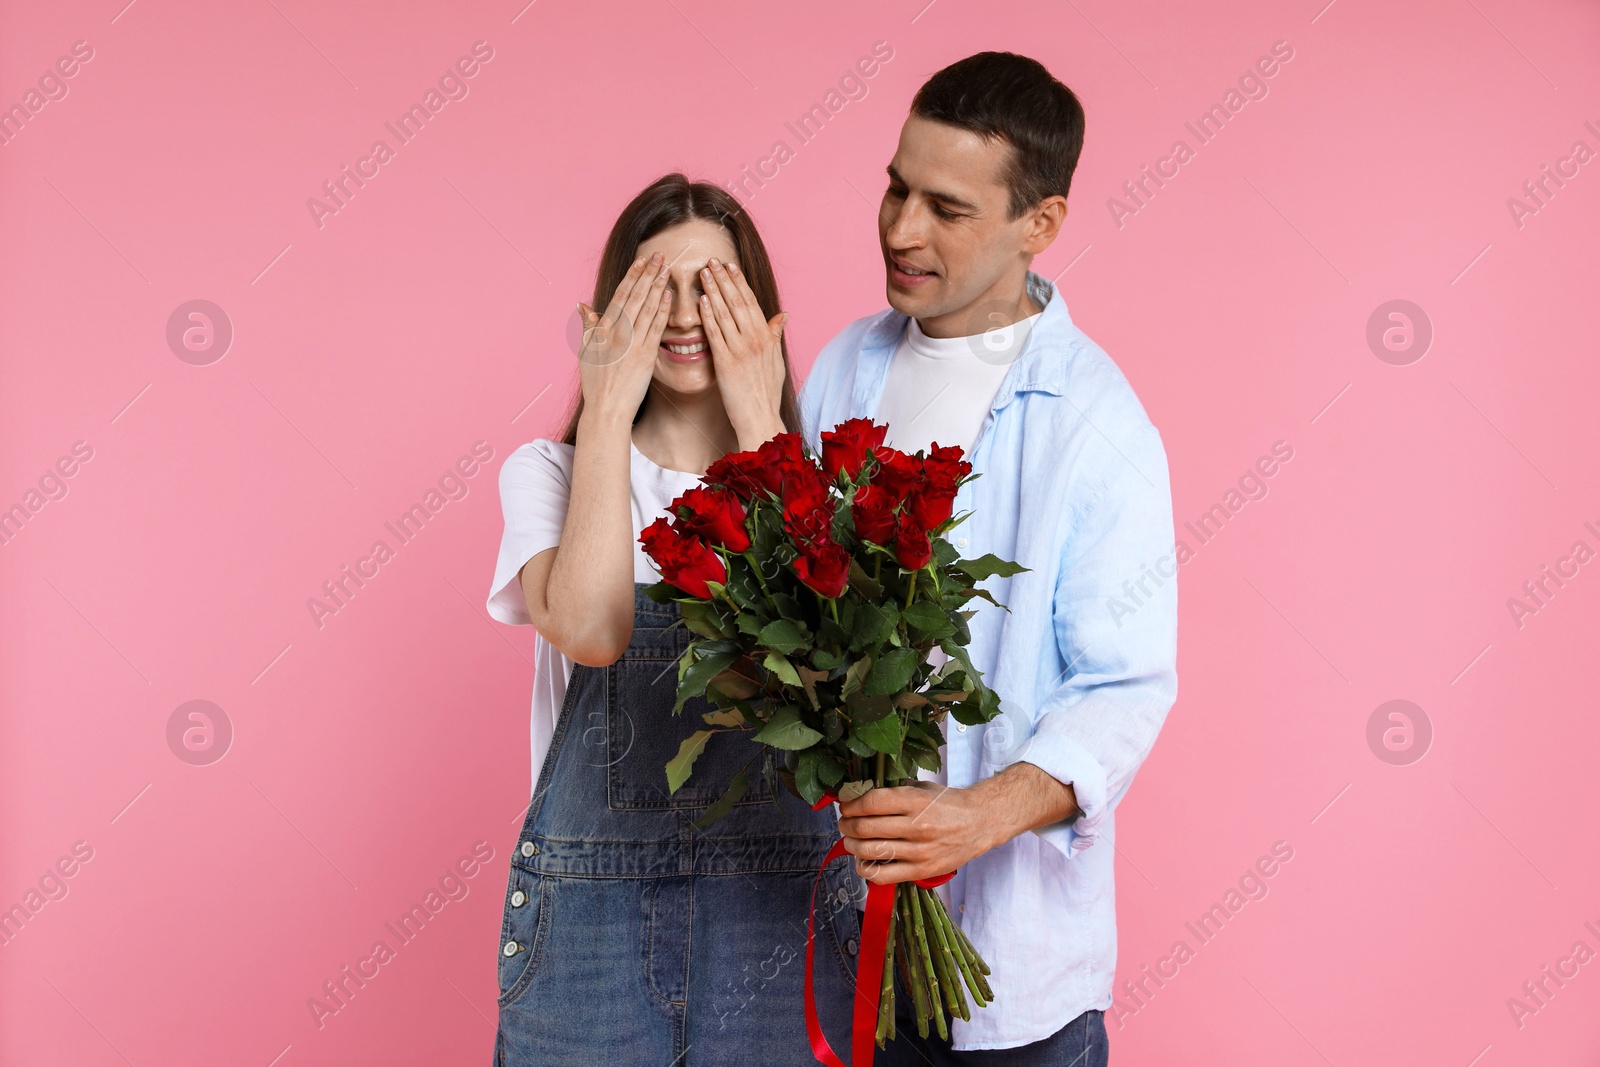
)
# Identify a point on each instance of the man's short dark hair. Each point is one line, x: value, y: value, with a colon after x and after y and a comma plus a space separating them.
x: 1011, y: 97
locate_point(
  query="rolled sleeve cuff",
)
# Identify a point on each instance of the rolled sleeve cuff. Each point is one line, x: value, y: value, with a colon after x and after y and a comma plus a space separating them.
x: 1070, y: 764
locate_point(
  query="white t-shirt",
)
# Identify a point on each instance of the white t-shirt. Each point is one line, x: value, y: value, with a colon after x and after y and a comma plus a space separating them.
x: 535, y: 485
x: 940, y: 390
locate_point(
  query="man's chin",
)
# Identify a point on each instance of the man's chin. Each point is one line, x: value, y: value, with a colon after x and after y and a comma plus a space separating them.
x: 914, y: 305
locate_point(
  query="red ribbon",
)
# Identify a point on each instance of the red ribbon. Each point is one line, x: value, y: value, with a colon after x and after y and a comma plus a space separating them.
x: 869, y: 962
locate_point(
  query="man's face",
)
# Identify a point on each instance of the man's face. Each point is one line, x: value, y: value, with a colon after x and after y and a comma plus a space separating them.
x: 944, y: 213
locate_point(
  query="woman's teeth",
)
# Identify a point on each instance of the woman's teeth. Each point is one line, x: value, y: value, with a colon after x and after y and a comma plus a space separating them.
x: 687, y: 350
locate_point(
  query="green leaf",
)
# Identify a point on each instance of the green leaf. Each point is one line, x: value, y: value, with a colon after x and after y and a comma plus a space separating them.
x: 743, y: 585
x: 882, y: 734
x: 944, y: 552
x: 805, y: 776
x: 784, y: 635
x: 832, y: 725
x: 872, y: 624
x: 858, y: 746
x: 891, y: 673
x: 750, y: 623
x: 779, y: 665
x: 865, y: 708
x: 928, y: 620
x: 701, y: 617
x: 830, y: 772
x: 987, y: 566
x: 785, y: 730
x: 787, y: 606
x: 864, y: 583
x: 693, y: 681
x: 725, y: 802
x: 679, y: 766
x: 663, y: 592
x: 830, y: 634
x: 825, y: 659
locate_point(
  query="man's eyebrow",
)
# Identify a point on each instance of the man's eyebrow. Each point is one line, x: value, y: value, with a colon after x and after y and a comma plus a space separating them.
x: 953, y: 201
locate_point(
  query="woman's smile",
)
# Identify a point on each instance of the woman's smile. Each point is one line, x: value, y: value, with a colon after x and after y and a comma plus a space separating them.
x: 685, y: 349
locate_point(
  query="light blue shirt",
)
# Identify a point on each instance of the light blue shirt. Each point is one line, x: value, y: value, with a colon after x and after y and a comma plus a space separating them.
x: 1073, y: 486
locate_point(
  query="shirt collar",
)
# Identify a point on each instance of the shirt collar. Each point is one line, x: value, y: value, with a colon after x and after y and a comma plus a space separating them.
x: 1041, y: 365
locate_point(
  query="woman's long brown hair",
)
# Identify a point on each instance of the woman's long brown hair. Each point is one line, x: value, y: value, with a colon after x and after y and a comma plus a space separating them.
x: 666, y: 202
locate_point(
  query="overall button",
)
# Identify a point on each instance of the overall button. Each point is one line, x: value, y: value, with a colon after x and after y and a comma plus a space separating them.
x: 842, y: 895
x: 518, y: 899
x: 528, y: 849
x: 512, y: 948
x: 850, y: 946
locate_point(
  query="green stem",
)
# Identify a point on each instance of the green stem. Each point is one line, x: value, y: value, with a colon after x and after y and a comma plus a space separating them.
x: 915, y: 980
x: 925, y: 958
x: 944, y: 956
x: 750, y: 555
x: 886, y: 989
x: 959, y: 954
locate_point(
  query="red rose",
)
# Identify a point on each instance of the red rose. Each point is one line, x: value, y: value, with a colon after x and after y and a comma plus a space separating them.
x: 761, y: 471
x: 684, y: 560
x: 912, y: 548
x: 897, y: 473
x: 931, y: 505
x: 873, y: 511
x: 944, y: 466
x: 846, y: 446
x: 715, y: 515
x: 824, y: 566
x: 807, y: 505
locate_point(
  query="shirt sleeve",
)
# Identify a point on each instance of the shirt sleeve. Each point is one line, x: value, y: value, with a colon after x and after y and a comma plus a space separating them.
x: 535, y: 484
x: 1115, y: 618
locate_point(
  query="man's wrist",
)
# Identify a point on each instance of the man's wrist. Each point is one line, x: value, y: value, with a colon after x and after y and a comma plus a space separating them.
x: 1023, y: 797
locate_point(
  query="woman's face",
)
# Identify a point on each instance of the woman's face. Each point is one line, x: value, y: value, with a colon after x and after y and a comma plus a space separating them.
x: 683, y: 362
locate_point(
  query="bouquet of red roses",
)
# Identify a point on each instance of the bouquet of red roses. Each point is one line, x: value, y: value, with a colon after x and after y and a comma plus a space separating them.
x: 817, y: 588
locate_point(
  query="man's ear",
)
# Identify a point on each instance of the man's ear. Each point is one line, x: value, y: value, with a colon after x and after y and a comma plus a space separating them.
x: 1044, y: 223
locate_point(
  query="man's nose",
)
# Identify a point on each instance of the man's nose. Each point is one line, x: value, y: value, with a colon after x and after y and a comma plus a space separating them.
x: 902, y: 227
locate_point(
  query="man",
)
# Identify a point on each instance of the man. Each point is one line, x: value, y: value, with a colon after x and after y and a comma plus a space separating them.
x: 978, y: 350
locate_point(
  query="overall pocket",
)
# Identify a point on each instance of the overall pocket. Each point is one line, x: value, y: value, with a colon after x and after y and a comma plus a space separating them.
x: 642, y: 733
x: 524, y: 930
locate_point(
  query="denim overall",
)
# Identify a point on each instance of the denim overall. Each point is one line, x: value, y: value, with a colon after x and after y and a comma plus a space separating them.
x: 630, y: 936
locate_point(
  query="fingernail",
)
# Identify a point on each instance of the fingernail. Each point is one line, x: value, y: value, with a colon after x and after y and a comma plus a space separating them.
x: 713, y: 263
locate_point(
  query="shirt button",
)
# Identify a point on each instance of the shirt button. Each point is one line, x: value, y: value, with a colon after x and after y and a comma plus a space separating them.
x: 850, y: 946
x: 961, y: 907
x: 528, y: 849
x: 961, y: 727
x: 518, y: 899
x: 512, y: 948
x: 961, y: 542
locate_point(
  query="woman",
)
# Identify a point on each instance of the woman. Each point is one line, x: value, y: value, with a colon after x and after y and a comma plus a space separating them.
x: 630, y: 935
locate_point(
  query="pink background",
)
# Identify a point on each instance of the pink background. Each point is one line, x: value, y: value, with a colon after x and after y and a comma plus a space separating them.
x: 372, y: 752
